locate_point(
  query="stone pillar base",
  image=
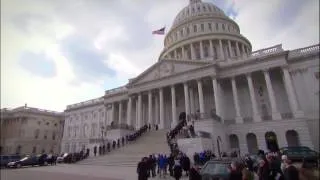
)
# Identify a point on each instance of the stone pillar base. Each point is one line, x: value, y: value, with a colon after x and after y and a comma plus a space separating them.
x: 239, y: 120
x: 276, y: 116
x: 298, y: 114
x: 257, y: 118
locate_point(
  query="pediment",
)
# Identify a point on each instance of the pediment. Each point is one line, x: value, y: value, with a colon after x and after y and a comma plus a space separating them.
x: 166, y: 68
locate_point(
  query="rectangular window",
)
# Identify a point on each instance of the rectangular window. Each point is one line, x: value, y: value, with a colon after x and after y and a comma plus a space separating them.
x: 316, y: 74
x: 202, y: 27
x: 209, y: 26
x: 195, y: 28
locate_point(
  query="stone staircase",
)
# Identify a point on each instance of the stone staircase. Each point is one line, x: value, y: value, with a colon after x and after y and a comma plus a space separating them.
x: 152, y: 142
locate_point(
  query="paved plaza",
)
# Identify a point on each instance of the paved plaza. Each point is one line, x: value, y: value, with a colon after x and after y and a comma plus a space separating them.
x: 73, y: 172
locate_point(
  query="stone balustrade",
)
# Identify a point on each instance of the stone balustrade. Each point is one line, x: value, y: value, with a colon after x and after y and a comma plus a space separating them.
x: 116, y: 90
x: 86, y: 103
x: 30, y: 109
x: 267, y: 51
x: 315, y: 49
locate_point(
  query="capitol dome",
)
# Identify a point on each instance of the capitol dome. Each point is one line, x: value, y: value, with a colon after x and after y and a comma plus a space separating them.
x: 202, y: 31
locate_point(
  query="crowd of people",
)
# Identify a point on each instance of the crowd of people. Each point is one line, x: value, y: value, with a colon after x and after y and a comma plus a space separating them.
x: 268, y: 166
x: 163, y: 165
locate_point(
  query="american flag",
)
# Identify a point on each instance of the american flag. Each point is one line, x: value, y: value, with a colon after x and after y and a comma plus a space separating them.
x: 159, y: 31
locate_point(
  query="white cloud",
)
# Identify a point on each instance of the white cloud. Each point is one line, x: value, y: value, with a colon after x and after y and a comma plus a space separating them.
x: 104, y: 23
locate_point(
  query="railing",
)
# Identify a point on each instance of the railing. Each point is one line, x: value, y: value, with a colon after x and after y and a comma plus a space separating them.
x: 120, y: 126
x: 116, y: 90
x: 229, y: 121
x: 287, y: 115
x: 201, y: 116
x: 248, y: 120
x: 266, y: 117
x: 304, y: 51
x: 86, y: 103
x: 267, y: 51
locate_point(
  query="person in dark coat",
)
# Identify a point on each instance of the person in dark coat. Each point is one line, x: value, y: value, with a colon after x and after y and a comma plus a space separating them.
x: 171, y: 164
x: 177, y: 170
x: 185, y: 163
x: 264, y: 170
x: 291, y: 172
x: 114, y: 145
x: 235, y: 173
x: 95, y: 150
x: 194, y: 173
x: 108, y: 147
x: 142, y: 169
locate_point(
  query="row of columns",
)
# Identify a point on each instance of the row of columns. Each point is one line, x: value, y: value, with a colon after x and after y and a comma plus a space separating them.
x: 244, y: 50
x: 217, y: 95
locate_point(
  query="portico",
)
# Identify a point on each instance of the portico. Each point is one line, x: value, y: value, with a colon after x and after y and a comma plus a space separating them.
x: 236, y: 98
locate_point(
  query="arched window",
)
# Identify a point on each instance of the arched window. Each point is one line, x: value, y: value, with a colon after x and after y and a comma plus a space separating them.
x: 234, y: 142
x: 292, y: 138
x: 204, y: 9
x: 215, y: 53
x: 36, y: 133
x: 18, y: 150
x: 271, y: 141
x: 45, y: 136
x: 34, y: 149
x: 206, y: 51
x: 252, y: 143
x: 54, y: 136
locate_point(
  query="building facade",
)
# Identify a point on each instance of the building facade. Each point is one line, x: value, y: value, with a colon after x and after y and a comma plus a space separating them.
x: 27, y: 130
x: 246, y: 100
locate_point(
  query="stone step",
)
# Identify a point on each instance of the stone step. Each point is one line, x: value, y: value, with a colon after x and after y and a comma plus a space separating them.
x: 153, y: 142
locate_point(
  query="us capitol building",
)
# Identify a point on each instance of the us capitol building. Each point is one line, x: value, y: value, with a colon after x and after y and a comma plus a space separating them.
x: 246, y: 100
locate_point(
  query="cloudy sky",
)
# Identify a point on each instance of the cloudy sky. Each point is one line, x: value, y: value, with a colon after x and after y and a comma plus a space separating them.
x: 60, y: 52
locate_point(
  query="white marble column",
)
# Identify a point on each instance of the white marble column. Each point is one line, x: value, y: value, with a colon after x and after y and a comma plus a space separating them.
x: 201, y: 50
x: 275, y: 113
x: 129, y: 108
x: 200, y: 92
x: 150, y: 120
x: 139, y: 110
x: 192, y: 111
x: 192, y: 51
x: 243, y: 51
x: 120, y: 112
x: 174, y: 107
x: 136, y: 120
x: 211, y: 48
x: 230, y: 49
x: 182, y: 53
x: 256, y: 115
x: 221, y: 50
x: 216, y: 97
x: 239, y: 119
x: 238, y: 50
x: 186, y: 98
x: 297, y: 113
x: 161, y: 108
